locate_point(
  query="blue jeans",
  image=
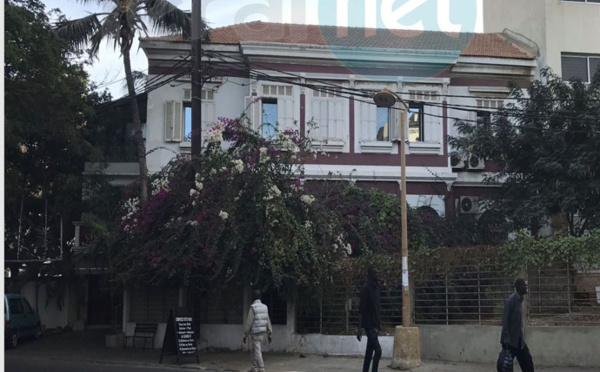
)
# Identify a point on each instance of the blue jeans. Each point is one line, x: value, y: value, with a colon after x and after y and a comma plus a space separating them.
x: 372, y: 347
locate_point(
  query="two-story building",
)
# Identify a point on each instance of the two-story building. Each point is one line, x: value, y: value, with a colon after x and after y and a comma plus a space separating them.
x: 319, y: 81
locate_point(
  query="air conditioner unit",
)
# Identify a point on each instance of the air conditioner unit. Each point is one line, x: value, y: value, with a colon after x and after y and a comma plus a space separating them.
x: 458, y: 162
x: 468, y: 205
x: 475, y: 163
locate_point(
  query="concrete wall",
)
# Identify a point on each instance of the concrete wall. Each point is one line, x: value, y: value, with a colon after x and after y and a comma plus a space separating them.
x: 556, y: 26
x: 550, y: 346
x: 572, y: 28
x: 51, y: 316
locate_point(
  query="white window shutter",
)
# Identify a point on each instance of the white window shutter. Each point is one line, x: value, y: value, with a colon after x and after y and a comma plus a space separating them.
x: 173, y: 121
x: 394, y: 119
x: 254, y: 112
x: 472, y: 118
x: 169, y: 121
x: 285, y: 112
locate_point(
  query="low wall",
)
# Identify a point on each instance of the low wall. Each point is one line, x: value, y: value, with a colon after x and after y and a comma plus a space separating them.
x: 550, y: 346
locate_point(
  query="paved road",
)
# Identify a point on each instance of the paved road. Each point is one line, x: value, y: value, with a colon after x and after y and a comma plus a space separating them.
x: 28, y: 364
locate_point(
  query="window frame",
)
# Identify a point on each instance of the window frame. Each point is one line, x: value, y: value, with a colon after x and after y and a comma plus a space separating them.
x: 421, y: 107
x: 587, y: 58
x: 269, y: 101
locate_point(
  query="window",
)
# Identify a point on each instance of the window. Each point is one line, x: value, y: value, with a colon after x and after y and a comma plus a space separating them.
x: 579, y: 67
x: 269, y: 117
x: 415, y: 123
x: 187, y: 121
x: 484, y: 117
x: 329, y: 115
x: 275, y: 109
x: 208, y: 113
x: 383, y: 127
x: 15, y: 305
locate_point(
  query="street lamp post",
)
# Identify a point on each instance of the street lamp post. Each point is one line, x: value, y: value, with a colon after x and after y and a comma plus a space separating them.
x: 406, y: 353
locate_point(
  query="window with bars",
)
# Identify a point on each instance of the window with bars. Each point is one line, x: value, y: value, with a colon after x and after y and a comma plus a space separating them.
x: 581, y: 67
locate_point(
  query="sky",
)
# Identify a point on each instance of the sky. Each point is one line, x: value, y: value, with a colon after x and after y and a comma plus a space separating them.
x: 445, y: 15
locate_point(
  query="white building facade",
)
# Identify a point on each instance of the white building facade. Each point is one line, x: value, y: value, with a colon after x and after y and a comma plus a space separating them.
x: 565, y: 31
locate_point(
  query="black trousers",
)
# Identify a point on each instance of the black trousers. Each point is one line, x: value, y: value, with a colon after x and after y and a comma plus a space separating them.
x: 524, y: 358
x: 373, y: 350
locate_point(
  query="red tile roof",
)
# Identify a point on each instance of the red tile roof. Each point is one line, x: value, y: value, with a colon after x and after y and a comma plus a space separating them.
x: 471, y: 44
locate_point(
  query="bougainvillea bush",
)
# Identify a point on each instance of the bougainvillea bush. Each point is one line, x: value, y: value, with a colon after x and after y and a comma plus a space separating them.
x: 238, y: 211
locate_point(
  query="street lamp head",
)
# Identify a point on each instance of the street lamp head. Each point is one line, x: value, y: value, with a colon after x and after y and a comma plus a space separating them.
x: 385, y: 98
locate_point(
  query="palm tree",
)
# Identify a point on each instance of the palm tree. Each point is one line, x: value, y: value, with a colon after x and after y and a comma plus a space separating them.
x: 121, y: 24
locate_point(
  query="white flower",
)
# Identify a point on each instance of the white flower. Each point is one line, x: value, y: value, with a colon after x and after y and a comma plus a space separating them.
x: 275, y: 190
x: 238, y: 166
x: 348, y: 249
x: 307, y: 224
x: 213, y: 171
x: 307, y: 199
x: 263, y: 155
x: 193, y: 192
x: 224, y: 215
x: 199, y: 185
x: 215, y: 134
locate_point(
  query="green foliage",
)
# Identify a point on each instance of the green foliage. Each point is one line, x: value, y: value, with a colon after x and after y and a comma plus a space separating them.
x: 548, y: 143
x: 527, y: 250
x: 47, y: 102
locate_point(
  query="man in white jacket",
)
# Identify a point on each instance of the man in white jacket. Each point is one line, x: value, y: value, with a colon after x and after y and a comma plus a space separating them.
x: 257, y: 324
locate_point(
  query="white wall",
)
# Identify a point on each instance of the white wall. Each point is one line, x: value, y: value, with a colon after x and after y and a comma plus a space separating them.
x: 573, y: 28
x: 50, y: 316
x: 556, y: 26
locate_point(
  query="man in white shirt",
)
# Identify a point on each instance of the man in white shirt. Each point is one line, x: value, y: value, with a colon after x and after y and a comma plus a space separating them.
x: 257, y: 324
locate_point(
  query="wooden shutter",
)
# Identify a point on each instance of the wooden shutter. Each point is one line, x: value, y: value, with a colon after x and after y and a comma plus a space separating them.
x: 253, y: 111
x: 285, y: 112
x: 173, y: 121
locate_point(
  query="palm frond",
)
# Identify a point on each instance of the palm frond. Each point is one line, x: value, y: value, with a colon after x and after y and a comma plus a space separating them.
x: 167, y: 18
x: 139, y: 81
x: 78, y: 32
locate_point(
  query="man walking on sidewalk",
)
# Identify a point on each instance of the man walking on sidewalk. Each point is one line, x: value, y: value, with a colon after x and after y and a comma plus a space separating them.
x: 257, y: 324
x: 369, y: 318
x: 513, y: 343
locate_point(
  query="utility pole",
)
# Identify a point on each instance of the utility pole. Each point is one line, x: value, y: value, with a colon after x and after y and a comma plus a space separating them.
x: 196, y: 77
x: 406, y: 350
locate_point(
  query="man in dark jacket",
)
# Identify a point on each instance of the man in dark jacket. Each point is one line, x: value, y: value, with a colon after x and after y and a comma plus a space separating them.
x: 512, y: 327
x: 370, y: 319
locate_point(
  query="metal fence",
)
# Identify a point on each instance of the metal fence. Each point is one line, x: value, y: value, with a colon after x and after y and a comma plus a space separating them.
x: 334, y: 310
x: 473, y: 294
x: 468, y: 294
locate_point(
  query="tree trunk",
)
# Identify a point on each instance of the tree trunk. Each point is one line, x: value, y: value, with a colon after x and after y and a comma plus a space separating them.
x: 137, y: 125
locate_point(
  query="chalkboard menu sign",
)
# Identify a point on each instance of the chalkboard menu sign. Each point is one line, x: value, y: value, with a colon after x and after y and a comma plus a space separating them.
x: 179, y: 337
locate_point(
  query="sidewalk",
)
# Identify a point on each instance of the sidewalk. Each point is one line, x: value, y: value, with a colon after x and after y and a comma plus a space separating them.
x: 89, y: 347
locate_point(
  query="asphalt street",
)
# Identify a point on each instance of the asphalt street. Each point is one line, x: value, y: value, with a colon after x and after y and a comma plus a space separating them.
x: 28, y: 364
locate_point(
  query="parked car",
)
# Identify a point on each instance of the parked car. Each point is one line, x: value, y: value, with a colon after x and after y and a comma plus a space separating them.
x: 20, y: 320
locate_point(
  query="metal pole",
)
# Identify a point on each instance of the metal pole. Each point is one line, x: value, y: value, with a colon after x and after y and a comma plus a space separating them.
x: 406, y: 313
x: 196, y: 77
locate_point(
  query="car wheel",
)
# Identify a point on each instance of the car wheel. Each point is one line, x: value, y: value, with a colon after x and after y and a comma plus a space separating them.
x: 38, y: 332
x: 13, y: 341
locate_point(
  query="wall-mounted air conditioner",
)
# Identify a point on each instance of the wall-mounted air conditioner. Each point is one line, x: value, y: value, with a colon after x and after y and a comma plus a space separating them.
x: 468, y: 205
x: 458, y: 162
x: 475, y: 163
